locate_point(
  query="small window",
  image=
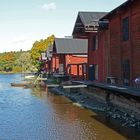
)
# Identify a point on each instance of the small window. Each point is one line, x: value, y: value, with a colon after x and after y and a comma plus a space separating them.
x: 125, y: 29
x: 95, y: 43
x: 96, y: 72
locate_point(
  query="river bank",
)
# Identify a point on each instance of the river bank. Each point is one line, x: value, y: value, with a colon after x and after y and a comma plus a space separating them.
x: 38, y: 114
x: 4, y: 72
x: 109, y: 111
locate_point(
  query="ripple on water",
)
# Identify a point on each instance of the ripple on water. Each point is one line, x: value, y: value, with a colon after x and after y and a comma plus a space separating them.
x: 37, y: 115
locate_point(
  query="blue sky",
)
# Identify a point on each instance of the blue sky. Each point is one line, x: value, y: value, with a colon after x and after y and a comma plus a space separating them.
x: 22, y: 22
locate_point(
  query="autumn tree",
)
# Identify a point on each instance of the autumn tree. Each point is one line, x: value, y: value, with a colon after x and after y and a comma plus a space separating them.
x: 24, y: 61
x: 39, y: 47
x: 6, y: 61
x: 15, y: 61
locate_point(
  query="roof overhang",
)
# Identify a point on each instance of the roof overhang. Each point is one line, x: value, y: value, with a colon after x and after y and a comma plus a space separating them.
x: 118, y: 9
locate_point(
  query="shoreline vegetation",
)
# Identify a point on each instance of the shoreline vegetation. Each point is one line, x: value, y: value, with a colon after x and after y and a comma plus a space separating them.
x: 3, y: 72
x: 16, y: 62
x: 22, y: 61
x: 11, y: 72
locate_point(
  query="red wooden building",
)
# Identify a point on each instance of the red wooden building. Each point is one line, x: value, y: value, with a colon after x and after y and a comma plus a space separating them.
x: 69, y: 56
x: 86, y: 26
x: 122, y: 42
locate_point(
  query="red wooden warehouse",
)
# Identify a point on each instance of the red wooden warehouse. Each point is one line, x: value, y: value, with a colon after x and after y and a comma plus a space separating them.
x: 69, y: 56
x: 86, y: 26
x: 122, y: 42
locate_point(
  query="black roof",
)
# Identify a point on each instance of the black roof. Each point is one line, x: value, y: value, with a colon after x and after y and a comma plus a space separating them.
x: 70, y: 46
x: 119, y: 8
x: 90, y: 17
x: 85, y: 19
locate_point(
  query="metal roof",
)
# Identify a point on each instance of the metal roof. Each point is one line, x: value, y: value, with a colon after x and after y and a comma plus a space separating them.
x: 87, y: 20
x: 90, y: 17
x: 70, y: 46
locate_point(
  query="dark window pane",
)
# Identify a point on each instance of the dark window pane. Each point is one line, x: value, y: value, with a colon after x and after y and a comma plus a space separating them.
x: 126, y: 71
x: 94, y: 43
x: 125, y: 29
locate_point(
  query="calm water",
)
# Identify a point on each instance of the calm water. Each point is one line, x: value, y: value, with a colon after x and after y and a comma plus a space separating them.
x: 27, y: 114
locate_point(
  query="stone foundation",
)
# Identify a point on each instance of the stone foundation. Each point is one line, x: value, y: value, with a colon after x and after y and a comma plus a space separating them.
x: 126, y: 104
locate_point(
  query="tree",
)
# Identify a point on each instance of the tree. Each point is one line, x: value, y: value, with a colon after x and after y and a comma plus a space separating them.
x: 24, y: 61
x: 39, y: 47
x: 15, y: 61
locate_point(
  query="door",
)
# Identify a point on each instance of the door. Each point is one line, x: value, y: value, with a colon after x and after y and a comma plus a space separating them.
x: 91, y: 73
x: 126, y: 72
x: 61, y: 68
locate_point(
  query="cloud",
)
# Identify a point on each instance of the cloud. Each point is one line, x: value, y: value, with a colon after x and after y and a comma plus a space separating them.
x: 20, y: 39
x: 49, y: 7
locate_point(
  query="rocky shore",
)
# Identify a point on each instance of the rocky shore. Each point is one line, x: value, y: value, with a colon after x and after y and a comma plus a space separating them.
x: 108, y: 110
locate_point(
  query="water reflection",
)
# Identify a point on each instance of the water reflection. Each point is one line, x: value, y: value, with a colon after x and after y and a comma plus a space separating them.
x: 77, y: 123
x: 36, y: 114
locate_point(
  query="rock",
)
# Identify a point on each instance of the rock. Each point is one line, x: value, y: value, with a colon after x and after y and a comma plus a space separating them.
x: 132, y: 115
x: 133, y: 125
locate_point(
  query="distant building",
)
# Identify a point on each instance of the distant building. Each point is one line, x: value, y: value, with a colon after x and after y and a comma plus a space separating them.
x: 69, y: 56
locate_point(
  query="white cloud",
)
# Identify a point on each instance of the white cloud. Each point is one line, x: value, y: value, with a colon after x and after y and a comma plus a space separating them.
x: 19, y: 40
x: 49, y: 6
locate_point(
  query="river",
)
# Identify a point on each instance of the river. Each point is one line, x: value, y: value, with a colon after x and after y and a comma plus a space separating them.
x: 27, y: 114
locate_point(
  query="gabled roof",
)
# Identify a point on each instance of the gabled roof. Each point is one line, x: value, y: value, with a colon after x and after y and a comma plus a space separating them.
x: 87, y: 19
x: 70, y: 46
x: 119, y: 8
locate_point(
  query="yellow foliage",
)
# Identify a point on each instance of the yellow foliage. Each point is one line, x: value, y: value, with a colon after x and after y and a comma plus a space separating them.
x: 41, y: 46
x: 17, y: 69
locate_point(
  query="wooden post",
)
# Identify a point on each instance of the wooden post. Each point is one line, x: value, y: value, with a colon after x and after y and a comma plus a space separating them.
x: 78, y: 70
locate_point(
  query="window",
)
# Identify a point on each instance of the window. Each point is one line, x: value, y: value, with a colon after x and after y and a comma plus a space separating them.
x: 96, y: 72
x: 125, y: 29
x: 95, y: 43
x: 93, y: 72
x: 126, y: 71
x: 61, y: 68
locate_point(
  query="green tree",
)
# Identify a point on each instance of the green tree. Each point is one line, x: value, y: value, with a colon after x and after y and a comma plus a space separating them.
x: 15, y: 61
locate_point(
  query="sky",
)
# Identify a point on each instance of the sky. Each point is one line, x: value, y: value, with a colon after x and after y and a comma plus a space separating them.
x: 22, y: 22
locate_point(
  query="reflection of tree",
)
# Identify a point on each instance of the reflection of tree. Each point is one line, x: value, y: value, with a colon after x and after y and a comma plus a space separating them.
x: 40, y: 92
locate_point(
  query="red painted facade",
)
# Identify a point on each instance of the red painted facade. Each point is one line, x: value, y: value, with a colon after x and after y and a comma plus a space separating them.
x: 73, y: 65
x: 95, y: 55
x: 112, y: 52
x: 95, y: 67
x: 76, y: 66
x: 123, y: 56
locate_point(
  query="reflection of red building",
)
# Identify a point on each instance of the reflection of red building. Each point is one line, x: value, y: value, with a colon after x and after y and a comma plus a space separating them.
x: 122, y: 42
x: 86, y: 26
x: 69, y: 56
